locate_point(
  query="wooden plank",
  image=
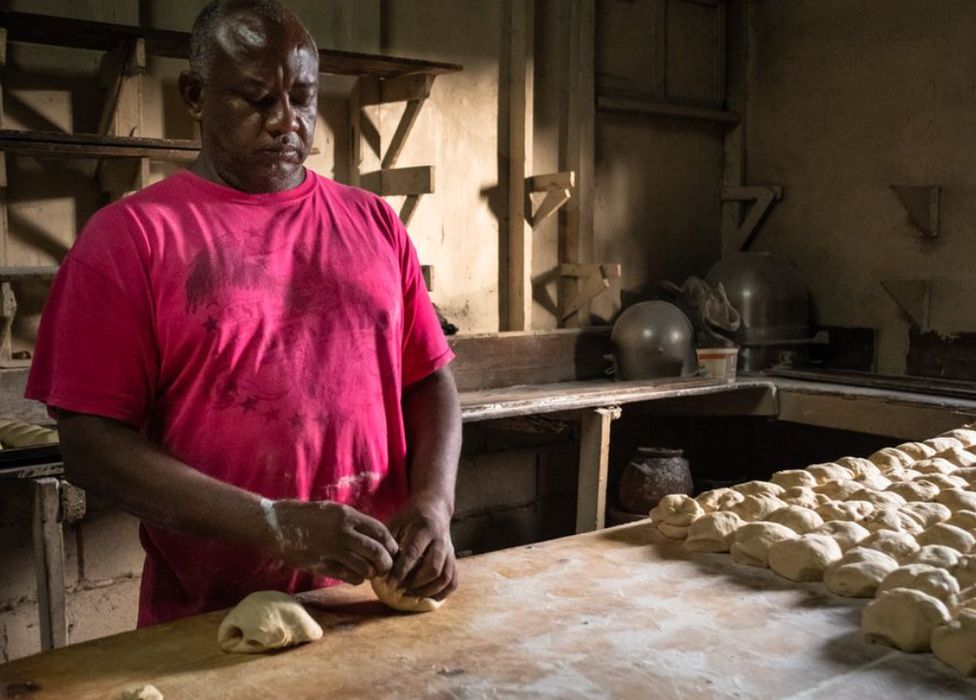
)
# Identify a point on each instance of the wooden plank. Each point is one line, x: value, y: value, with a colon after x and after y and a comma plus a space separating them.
x: 399, y: 181
x: 399, y: 139
x: 619, y: 613
x: 737, y: 68
x: 594, y: 463
x: 662, y: 108
x: 355, y: 133
x: 23, y: 274
x: 402, y: 89
x: 45, y: 143
x: 105, y: 36
x: 538, y: 357
x: 49, y: 564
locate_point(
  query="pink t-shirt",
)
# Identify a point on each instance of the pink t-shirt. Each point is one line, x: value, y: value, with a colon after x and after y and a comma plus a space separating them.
x: 263, y: 339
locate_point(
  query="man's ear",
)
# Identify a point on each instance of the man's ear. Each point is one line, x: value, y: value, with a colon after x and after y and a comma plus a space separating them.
x: 191, y: 90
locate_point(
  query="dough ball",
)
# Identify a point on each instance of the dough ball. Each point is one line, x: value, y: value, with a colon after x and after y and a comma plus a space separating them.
x: 889, y: 518
x: 937, y: 555
x: 957, y: 499
x: 805, y: 497
x: 938, y: 583
x: 759, y: 488
x: 966, y: 436
x: 967, y: 474
x: 941, y: 444
x: 713, y: 532
x: 718, y: 499
x: 966, y: 519
x: 845, y: 533
x: 753, y: 508
x: 845, y: 510
x: 859, y: 466
x: 145, y: 692
x: 266, y: 620
x: 898, y: 545
x: 800, y: 520
x: 960, y: 457
x: 804, y: 558
x: 917, y: 450
x: 934, y: 465
x: 676, y: 509
x: 788, y: 478
x: 825, y: 472
x: 753, y: 540
x: 965, y: 570
x: 946, y: 481
x: 954, y: 642
x: 947, y: 535
x: 966, y: 600
x: 879, y: 498
x: 858, y: 573
x: 926, y: 514
x: 674, y: 532
x: 839, y: 489
x: 875, y: 482
x: 914, y: 490
x: 399, y: 599
x: 904, y: 618
x: 891, y: 458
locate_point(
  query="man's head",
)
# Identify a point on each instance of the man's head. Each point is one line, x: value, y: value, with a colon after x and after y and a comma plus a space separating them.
x: 253, y: 87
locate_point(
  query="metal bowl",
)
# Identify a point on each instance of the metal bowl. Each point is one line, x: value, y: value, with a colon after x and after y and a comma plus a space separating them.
x: 653, y: 339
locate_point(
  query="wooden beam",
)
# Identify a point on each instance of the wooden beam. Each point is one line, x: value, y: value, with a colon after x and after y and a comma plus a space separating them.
x: 49, y: 564
x: 404, y: 127
x: 662, y: 108
x: 594, y: 462
x: 405, y: 88
x: 922, y: 204
x: 49, y: 143
x: 400, y: 181
x: 762, y: 197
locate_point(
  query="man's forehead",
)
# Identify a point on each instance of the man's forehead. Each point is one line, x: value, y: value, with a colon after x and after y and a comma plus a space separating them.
x: 245, y: 33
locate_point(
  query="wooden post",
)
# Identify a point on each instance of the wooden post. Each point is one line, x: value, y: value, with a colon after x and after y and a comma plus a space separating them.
x: 594, y: 461
x: 738, y: 68
x: 49, y: 564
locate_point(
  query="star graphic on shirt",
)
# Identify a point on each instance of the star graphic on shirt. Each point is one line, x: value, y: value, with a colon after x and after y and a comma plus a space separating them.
x: 248, y: 404
x: 210, y: 324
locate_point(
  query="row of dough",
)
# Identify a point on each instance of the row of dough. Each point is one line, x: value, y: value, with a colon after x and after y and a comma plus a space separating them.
x: 900, y: 525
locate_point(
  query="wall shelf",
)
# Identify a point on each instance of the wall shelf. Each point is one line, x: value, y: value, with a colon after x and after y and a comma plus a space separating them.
x: 51, y: 143
x: 664, y: 108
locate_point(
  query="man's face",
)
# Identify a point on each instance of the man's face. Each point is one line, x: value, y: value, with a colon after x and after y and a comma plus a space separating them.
x: 258, y: 105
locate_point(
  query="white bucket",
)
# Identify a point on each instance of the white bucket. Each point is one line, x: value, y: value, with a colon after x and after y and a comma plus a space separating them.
x: 718, y: 363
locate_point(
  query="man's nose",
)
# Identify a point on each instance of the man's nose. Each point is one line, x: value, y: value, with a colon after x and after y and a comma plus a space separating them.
x: 282, y: 118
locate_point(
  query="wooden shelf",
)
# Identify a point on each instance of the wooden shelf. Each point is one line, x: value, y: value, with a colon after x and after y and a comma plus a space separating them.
x: 26, y: 274
x: 105, y: 36
x: 662, y: 108
x: 52, y: 143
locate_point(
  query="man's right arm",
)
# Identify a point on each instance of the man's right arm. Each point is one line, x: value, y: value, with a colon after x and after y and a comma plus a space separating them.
x: 112, y: 459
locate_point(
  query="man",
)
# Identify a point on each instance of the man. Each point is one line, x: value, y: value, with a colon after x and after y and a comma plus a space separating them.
x: 245, y: 357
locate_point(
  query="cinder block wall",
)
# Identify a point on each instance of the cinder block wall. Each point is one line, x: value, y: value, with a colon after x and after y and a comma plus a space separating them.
x: 514, y: 487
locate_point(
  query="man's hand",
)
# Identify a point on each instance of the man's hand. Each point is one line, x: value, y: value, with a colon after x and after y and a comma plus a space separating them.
x: 425, y: 565
x: 334, y: 540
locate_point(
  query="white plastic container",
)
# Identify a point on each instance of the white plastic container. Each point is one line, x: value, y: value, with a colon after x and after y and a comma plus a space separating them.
x: 718, y: 363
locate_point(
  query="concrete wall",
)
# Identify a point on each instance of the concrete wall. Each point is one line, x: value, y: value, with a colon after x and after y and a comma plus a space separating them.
x: 847, y: 98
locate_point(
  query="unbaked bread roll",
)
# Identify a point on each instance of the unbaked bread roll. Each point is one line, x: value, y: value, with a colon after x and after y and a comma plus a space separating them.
x: 753, y: 540
x: 845, y: 510
x: 941, y: 444
x: 399, y: 599
x: 759, y: 488
x: 718, y: 499
x: 947, y: 481
x: 804, y: 558
x: 674, y: 532
x: 948, y: 536
x: 954, y: 642
x: 264, y: 621
x: 891, y: 458
x: 878, y: 498
x: 898, y: 545
x: 934, y: 465
x: 804, y: 496
x: 966, y: 436
x: 914, y: 490
x: 676, y: 509
x: 713, y: 532
x: 965, y: 570
x: 966, y: 519
x: 957, y: 499
x: 800, y: 520
x: 961, y: 457
x: 926, y: 514
x: 904, y: 618
x: 788, y: 478
x: 828, y: 470
x: 753, y: 508
x: 858, y: 573
x: 917, y: 450
x: 937, y: 555
x: 845, y: 533
x: 889, y: 518
x: 859, y: 466
x: 17, y: 433
x: 938, y: 583
x: 875, y: 482
x: 839, y: 489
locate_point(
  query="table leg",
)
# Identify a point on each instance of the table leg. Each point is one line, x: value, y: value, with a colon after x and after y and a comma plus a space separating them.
x: 49, y: 563
x: 591, y: 498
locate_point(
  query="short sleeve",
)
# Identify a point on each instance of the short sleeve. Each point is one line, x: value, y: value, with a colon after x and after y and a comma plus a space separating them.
x: 95, y: 349
x: 425, y: 349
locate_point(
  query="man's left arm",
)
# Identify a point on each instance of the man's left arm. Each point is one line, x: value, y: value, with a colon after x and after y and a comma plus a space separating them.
x: 425, y: 566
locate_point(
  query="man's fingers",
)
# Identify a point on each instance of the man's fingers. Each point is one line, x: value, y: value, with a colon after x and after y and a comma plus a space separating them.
x: 377, y: 558
x: 428, y: 570
x: 377, y: 531
x: 412, y: 549
x: 340, y: 572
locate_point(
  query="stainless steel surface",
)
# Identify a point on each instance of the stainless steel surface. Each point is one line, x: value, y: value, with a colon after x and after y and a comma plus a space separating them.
x: 651, y: 340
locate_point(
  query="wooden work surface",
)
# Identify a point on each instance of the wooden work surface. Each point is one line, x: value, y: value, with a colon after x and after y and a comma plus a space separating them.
x: 619, y: 613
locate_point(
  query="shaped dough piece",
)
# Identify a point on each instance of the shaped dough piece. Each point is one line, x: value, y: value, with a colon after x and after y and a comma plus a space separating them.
x: 676, y: 509
x: 674, y: 532
x: 917, y: 450
x: 146, y: 692
x: 955, y: 642
x: 759, y: 488
x: 875, y: 482
x: 941, y: 444
x: 967, y: 474
x: 718, y: 499
x: 839, y: 489
x: 827, y: 471
x: 800, y: 520
x: 946, y: 481
x: 713, y: 532
x: 937, y: 555
x: 804, y: 558
x: 891, y: 458
x: 904, y: 618
x: 961, y: 457
x: 17, y: 433
x: 927, y: 514
x: 966, y: 600
x: 804, y: 496
x: 788, y: 478
x: 845, y: 510
x: 845, y: 533
x: 934, y: 465
x: 966, y: 519
x: 753, y: 508
x: 938, y: 583
x: 957, y: 499
x: 753, y: 540
x: 878, y: 498
x: 966, y: 436
x: 965, y: 570
x: 890, y: 518
x: 914, y: 490
x: 948, y: 536
x: 896, y: 544
x: 266, y: 620
x: 399, y: 599
x: 860, y: 467
x: 858, y: 573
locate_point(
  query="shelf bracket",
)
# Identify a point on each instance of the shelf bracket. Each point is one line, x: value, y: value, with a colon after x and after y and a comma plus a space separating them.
x: 595, y: 279
x: 122, y: 71
x: 922, y: 202
x: 558, y: 189
x: 914, y: 298
x: 763, y: 197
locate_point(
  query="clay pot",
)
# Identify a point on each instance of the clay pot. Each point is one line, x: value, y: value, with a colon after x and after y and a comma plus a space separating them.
x: 652, y: 474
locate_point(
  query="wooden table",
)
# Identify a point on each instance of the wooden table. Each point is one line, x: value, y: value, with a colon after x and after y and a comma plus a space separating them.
x: 618, y: 613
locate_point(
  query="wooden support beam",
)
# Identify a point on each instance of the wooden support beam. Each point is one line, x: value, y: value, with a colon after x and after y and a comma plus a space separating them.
x: 922, y: 204
x: 594, y: 280
x: 662, y: 108
x: 405, y: 88
x: 401, y: 134
x: 914, y: 298
x: 558, y: 188
x: 428, y: 272
x: 400, y: 181
x: 49, y: 564
x: 594, y: 462
x: 763, y: 197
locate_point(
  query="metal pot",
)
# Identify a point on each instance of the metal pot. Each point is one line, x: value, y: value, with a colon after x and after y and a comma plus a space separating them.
x: 653, y: 339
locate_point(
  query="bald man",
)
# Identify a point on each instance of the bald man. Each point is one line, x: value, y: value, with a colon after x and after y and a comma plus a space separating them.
x: 245, y: 357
